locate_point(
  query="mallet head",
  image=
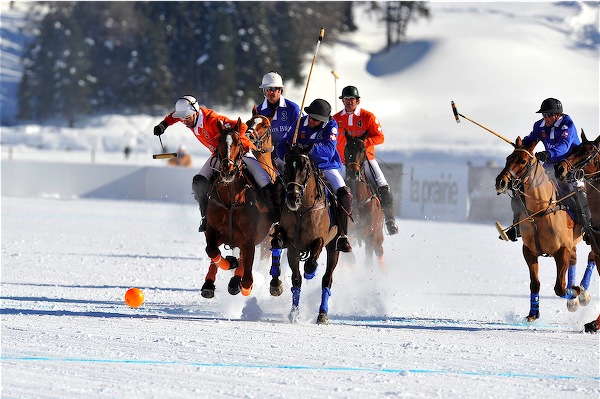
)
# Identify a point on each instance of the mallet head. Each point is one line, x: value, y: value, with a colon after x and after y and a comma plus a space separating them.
x: 455, y: 111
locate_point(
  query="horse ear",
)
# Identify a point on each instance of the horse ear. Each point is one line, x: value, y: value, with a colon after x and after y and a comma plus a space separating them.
x: 518, y: 142
x: 239, y: 124
x: 220, y: 125
x: 254, y: 111
x: 364, y: 136
x: 584, y: 139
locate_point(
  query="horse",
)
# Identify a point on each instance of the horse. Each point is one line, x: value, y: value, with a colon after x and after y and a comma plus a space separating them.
x: 584, y: 163
x: 369, y: 217
x: 236, y: 217
x: 259, y: 133
x: 305, y: 227
x: 550, y: 231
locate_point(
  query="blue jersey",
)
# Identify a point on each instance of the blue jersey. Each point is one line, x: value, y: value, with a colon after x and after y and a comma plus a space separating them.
x: 324, y: 153
x: 559, y: 139
x: 284, y: 120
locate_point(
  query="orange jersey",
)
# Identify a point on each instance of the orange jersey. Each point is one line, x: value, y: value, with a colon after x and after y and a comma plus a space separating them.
x: 356, y: 124
x: 207, y: 132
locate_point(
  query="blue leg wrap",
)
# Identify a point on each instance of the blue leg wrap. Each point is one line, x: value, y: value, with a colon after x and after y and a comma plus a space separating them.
x: 275, y: 263
x: 571, y: 294
x: 295, y: 296
x: 534, y: 304
x: 571, y: 276
x: 325, y: 300
x: 585, y: 281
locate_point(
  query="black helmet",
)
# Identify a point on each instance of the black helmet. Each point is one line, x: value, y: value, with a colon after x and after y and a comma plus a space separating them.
x: 319, y: 110
x: 350, y: 91
x: 551, y: 106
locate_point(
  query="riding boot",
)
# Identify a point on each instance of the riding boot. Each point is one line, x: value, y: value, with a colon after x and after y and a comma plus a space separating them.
x: 514, y: 232
x: 272, y: 200
x: 387, y: 203
x: 200, y: 189
x: 344, y: 210
x: 583, y: 210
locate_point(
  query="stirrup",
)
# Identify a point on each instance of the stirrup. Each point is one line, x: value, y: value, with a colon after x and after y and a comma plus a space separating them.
x: 343, y: 244
x: 202, y: 227
x: 391, y: 226
x: 513, y: 233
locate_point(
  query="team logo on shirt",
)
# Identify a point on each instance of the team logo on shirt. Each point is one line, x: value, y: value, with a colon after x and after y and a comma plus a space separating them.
x: 284, y: 116
x: 543, y: 135
x: 565, y: 131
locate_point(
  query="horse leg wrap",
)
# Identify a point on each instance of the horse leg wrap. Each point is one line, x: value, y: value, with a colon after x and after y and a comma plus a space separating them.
x: 585, y: 281
x: 221, y: 262
x: 295, y: 296
x: 534, y: 309
x: 571, y: 294
x: 276, y: 262
x: 571, y: 276
x: 212, y: 272
x: 325, y: 300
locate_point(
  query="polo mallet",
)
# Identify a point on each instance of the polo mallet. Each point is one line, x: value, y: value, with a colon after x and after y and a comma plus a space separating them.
x: 321, y: 34
x: 336, y: 76
x: 502, y: 231
x: 456, y: 115
x: 164, y: 155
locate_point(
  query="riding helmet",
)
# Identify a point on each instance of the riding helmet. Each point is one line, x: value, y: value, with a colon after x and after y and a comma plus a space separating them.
x: 319, y: 110
x: 186, y: 106
x: 349, y: 91
x: 271, y: 79
x: 551, y: 106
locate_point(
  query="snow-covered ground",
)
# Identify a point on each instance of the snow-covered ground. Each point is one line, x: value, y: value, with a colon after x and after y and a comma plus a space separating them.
x: 444, y: 320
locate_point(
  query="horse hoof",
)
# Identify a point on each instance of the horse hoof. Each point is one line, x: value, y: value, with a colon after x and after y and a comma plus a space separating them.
x: 584, y: 298
x: 276, y: 288
x: 208, y: 289
x: 234, y: 285
x: 533, y: 317
x: 591, y: 327
x: 323, y: 318
x: 246, y: 290
x: 294, y: 315
x: 573, y: 304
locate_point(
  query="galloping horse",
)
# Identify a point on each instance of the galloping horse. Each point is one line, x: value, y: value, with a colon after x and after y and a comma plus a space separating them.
x: 550, y: 231
x: 369, y: 217
x: 236, y: 216
x: 304, y: 229
x: 584, y: 163
x: 259, y: 133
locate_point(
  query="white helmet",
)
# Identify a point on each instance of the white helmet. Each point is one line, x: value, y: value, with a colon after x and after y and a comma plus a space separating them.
x: 271, y: 79
x: 186, y: 106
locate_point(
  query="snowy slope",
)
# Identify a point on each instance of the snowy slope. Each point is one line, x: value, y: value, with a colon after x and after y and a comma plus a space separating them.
x: 497, y: 61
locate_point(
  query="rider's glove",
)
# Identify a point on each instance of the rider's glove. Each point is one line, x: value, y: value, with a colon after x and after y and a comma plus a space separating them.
x: 542, y: 156
x: 160, y: 128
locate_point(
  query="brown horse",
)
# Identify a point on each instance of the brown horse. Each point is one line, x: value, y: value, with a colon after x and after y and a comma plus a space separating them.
x: 549, y: 231
x: 236, y: 216
x: 259, y: 133
x: 584, y: 163
x: 369, y: 217
x: 306, y: 226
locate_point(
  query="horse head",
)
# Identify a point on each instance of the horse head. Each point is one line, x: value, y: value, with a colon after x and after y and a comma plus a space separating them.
x: 518, y: 165
x: 582, y: 162
x: 259, y: 131
x: 355, y: 154
x: 230, y: 151
x: 297, y: 173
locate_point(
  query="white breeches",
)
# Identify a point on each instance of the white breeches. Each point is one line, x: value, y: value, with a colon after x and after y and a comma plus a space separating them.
x: 257, y: 171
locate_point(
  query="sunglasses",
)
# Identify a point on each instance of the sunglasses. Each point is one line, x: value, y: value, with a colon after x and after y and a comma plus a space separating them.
x: 272, y: 89
x: 547, y: 115
x: 187, y: 118
x: 349, y: 98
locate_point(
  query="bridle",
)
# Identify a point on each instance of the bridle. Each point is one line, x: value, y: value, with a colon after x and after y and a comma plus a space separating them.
x: 577, y: 172
x: 252, y: 134
x: 232, y: 136
x: 352, y: 159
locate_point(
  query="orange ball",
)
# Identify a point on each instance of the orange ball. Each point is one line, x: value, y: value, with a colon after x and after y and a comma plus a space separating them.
x: 134, y: 297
